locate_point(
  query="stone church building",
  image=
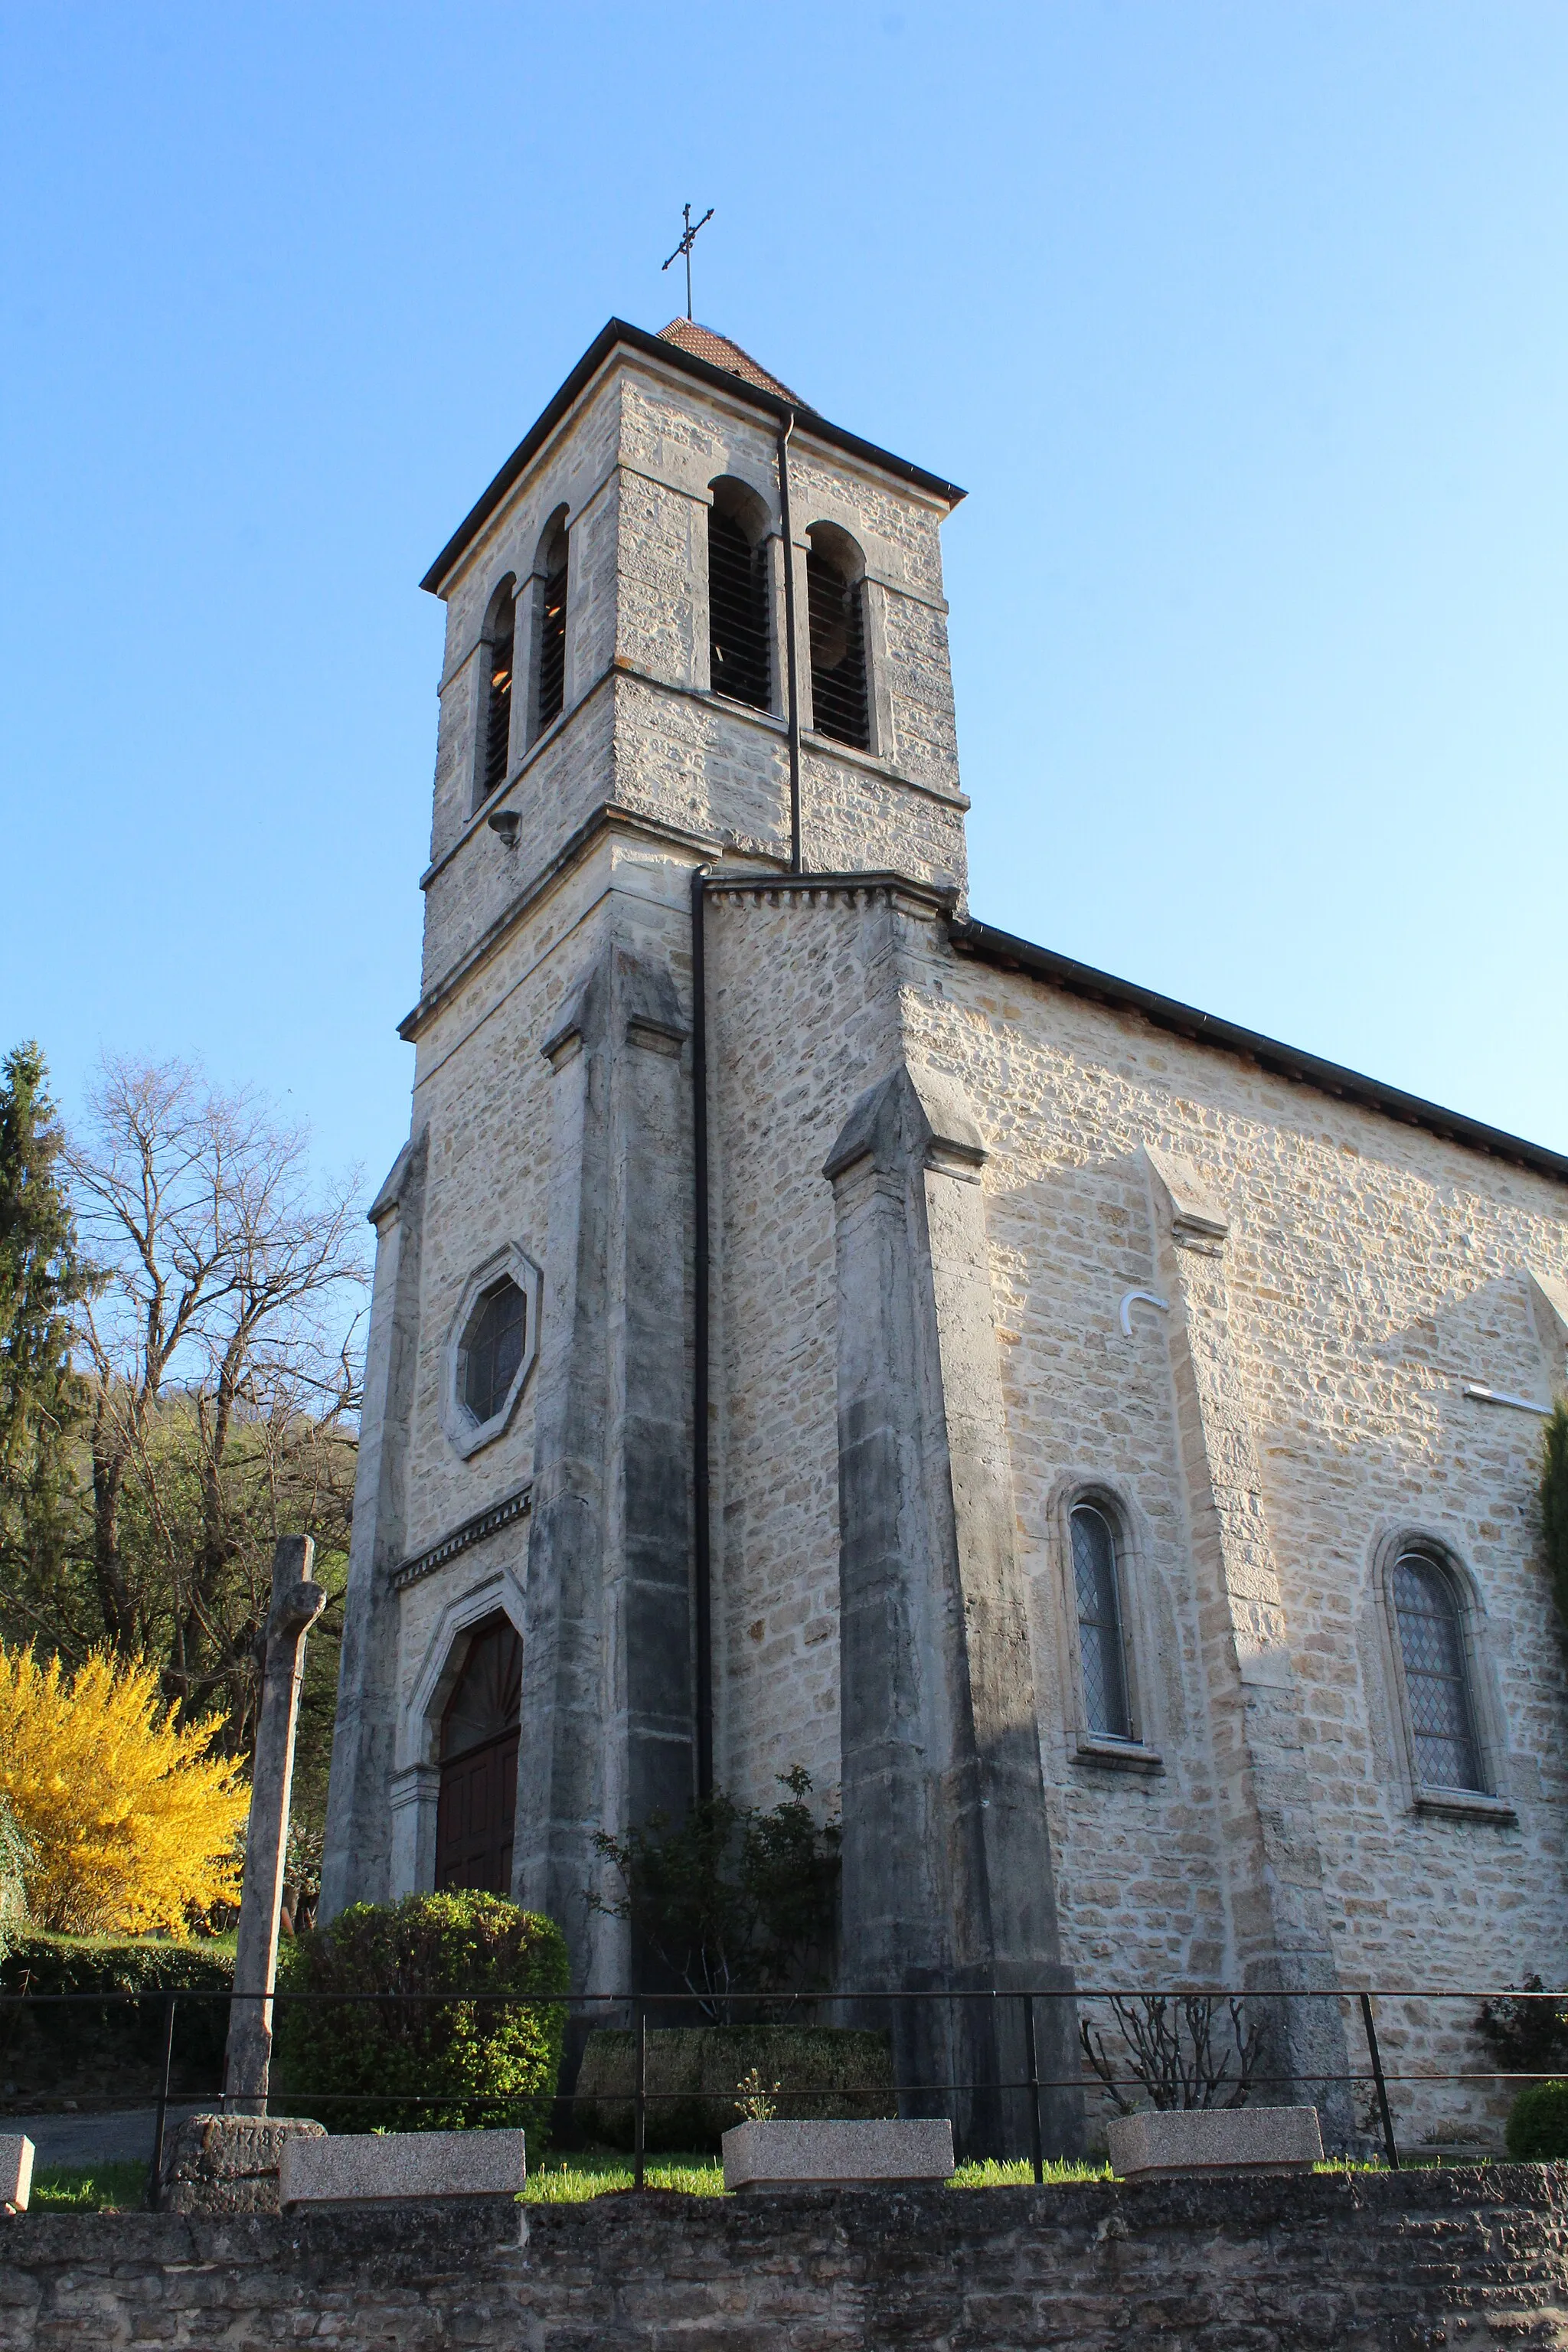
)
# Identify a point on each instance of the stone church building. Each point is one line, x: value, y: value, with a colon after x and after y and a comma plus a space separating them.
x: 813, y: 1328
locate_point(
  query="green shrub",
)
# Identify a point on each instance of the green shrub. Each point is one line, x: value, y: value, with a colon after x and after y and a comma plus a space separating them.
x: 1537, y: 2128
x: 427, y: 2065
x: 131, y: 2031
x: 730, y: 1899
x: 1525, y: 2037
x: 692, y: 2075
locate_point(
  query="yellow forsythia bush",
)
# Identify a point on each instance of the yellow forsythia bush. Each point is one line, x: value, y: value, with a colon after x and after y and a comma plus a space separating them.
x: 132, y: 1823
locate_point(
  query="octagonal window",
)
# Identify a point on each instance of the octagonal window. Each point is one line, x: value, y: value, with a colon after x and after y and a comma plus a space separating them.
x: 492, y: 1345
x: 492, y: 1342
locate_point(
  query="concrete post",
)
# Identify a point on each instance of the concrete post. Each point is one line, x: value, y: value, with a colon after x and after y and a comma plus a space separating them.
x: 297, y: 1603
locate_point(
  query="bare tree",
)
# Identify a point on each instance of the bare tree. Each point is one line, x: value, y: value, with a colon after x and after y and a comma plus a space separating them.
x: 221, y: 1342
x: 1171, y: 2051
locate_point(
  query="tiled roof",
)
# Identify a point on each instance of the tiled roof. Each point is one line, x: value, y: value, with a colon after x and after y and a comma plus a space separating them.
x: 721, y: 352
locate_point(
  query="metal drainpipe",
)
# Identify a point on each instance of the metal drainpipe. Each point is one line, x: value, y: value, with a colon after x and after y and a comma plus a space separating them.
x: 701, y: 1495
x: 792, y: 656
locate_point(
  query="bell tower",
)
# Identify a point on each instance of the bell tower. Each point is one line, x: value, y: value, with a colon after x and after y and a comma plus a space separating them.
x: 691, y: 626
x: 596, y: 581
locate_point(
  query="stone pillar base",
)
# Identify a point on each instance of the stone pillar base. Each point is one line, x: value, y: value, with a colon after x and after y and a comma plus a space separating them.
x: 227, y: 2163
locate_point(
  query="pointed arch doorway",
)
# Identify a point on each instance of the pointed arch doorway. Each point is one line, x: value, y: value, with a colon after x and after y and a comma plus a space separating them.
x: 476, y: 1813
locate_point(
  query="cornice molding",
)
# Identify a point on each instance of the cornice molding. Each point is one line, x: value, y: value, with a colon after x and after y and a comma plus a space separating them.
x: 487, y: 1522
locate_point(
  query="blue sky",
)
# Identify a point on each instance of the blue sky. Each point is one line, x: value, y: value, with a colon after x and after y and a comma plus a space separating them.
x: 1243, y: 326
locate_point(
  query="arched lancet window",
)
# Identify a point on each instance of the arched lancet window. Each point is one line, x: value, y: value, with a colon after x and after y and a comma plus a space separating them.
x: 1429, y: 1614
x: 835, y: 598
x: 740, y: 666
x: 550, y: 636
x: 501, y: 639
x: 475, y: 1815
x: 1102, y: 1646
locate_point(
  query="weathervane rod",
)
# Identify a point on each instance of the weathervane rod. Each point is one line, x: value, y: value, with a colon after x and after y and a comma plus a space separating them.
x: 688, y: 240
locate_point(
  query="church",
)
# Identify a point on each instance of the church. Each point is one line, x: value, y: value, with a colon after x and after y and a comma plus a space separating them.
x: 813, y: 1328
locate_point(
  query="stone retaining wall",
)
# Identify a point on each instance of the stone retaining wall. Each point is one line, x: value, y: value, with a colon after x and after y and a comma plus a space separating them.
x: 1454, y: 2258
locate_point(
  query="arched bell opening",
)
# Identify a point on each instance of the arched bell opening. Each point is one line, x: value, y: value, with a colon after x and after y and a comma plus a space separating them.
x: 835, y: 605
x: 477, y: 1808
x: 740, y: 625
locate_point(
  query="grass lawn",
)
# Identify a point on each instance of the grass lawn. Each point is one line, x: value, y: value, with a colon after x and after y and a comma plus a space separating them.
x: 570, y: 2179
x: 556, y: 2180
x: 567, y: 2179
x: 60, y: 2188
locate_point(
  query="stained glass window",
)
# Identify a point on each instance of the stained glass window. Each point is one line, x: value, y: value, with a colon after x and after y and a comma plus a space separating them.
x: 1436, y: 1674
x: 1099, y: 1637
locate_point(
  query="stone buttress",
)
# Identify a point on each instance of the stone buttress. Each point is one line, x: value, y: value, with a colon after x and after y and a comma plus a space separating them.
x: 947, y: 1865
x: 607, y: 1722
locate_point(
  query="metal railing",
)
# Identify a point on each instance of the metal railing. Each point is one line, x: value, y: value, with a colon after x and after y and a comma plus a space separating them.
x: 638, y: 2007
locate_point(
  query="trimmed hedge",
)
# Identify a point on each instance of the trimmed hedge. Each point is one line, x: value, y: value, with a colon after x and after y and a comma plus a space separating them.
x: 365, y: 2066
x: 126, y: 2030
x: 1538, y: 2125
x: 693, y: 2072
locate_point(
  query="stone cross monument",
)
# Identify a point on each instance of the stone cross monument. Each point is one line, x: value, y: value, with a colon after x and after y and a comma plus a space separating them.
x: 296, y: 1605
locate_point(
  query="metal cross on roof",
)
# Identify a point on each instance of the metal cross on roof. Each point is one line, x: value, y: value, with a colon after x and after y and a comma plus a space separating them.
x: 688, y: 240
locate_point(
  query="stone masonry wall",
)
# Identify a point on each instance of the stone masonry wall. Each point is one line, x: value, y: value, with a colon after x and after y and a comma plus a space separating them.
x: 632, y: 464
x: 803, y: 995
x: 483, y: 1095
x: 1373, y: 1268
x: 480, y: 881
x: 1357, y: 2263
x: 571, y: 470
x: 790, y: 1054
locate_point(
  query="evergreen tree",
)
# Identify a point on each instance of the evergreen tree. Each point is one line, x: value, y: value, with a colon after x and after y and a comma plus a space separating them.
x: 42, y: 1278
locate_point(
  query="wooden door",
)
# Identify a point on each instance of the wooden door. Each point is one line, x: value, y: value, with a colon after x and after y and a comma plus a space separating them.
x: 476, y: 1821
